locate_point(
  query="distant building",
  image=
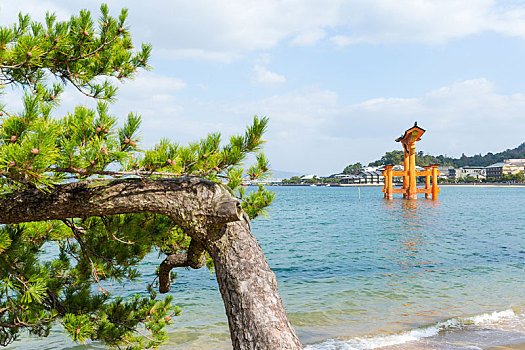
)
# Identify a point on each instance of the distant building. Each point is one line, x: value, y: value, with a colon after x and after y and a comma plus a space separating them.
x: 495, y: 170
x: 398, y: 168
x: 475, y: 172
x: 372, y: 177
x: 507, y: 167
x: 348, y: 179
x: 444, y: 171
x: 402, y: 168
x: 368, y: 169
x: 364, y: 177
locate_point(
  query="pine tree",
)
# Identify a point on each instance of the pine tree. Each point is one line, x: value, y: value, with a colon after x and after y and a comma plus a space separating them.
x: 81, y: 185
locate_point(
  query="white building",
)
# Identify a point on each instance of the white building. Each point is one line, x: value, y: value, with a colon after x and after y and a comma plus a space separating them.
x: 473, y: 171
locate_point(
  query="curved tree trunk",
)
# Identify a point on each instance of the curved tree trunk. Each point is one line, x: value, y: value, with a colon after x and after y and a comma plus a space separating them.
x: 209, y: 214
x: 255, y: 312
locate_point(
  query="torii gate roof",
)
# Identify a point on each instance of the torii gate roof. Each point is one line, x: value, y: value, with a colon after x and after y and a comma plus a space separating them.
x: 411, y: 135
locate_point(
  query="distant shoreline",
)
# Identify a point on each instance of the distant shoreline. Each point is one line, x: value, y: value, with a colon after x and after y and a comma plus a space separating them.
x: 381, y: 185
x: 482, y: 185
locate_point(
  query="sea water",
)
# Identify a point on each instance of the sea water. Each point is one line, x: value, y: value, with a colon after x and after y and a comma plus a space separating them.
x: 356, y: 271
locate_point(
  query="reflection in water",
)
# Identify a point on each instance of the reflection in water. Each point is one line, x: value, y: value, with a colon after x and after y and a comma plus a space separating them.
x: 411, y: 250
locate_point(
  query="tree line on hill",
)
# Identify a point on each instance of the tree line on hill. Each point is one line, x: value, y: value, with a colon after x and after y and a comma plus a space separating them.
x: 396, y: 157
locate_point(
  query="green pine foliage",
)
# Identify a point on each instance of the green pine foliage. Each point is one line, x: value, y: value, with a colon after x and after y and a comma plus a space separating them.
x: 87, y: 258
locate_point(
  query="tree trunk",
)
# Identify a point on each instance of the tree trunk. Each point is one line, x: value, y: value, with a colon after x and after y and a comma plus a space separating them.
x: 209, y: 214
x: 255, y: 312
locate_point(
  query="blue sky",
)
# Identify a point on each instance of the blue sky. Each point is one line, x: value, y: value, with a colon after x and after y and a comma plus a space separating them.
x: 339, y: 80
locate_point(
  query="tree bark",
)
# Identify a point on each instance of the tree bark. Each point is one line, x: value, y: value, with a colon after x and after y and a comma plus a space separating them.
x: 209, y: 214
x: 248, y: 287
x: 195, y: 258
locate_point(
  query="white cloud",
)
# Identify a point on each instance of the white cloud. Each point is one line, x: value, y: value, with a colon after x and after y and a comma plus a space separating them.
x: 12, y: 100
x: 35, y: 8
x: 152, y: 96
x: 148, y: 92
x: 423, y: 21
x: 310, y: 129
x: 308, y: 38
x: 156, y: 99
x: 509, y: 19
x: 148, y: 84
x: 227, y: 31
x: 315, y: 131
x: 305, y: 108
x: 343, y: 40
x: 263, y: 76
x: 199, y: 54
x: 467, y: 116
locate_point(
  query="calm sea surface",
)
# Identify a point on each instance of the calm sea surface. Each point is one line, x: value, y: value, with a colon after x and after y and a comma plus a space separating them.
x: 365, y: 273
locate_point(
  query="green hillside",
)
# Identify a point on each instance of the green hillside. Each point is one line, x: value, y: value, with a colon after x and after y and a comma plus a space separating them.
x: 396, y: 157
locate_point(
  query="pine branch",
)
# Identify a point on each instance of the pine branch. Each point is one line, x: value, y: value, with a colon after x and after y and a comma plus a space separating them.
x: 118, y: 174
x: 92, y: 53
x: 194, y: 258
x: 77, y: 231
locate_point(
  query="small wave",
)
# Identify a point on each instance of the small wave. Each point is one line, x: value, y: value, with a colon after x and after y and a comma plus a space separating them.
x: 492, y: 318
x: 374, y: 342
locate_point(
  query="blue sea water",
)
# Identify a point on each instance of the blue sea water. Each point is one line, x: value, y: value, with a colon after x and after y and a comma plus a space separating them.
x: 358, y: 272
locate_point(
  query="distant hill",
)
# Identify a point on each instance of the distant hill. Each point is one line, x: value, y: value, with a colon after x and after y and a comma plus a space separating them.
x: 489, y: 158
x: 396, y: 157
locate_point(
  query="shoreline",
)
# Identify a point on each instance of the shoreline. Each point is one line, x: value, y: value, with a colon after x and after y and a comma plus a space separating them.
x: 420, y: 184
x: 484, y: 185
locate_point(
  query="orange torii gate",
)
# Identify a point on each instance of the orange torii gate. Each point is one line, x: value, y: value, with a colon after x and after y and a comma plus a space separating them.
x: 409, y: 173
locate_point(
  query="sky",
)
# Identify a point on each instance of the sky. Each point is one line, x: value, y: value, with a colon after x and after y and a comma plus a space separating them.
x: 339, y: 80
